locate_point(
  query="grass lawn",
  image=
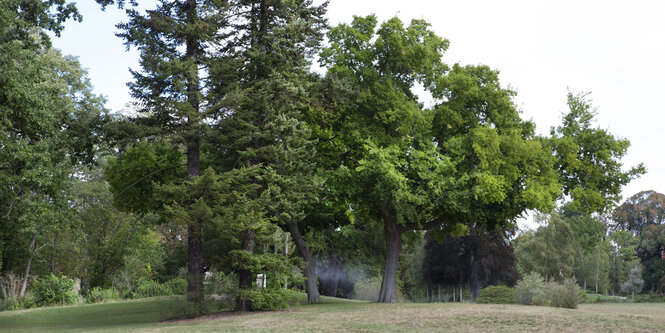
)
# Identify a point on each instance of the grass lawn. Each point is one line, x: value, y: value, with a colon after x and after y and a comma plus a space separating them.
x: 335, y: 315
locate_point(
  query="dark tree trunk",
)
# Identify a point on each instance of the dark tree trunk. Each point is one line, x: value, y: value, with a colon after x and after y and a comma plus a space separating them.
x: 393, y: 247
x: 309, y: 271
x: 194, y: 264
x: 474, y: 278
x: 24, y: 285
x: 244, y: 275
x: 195, y: 229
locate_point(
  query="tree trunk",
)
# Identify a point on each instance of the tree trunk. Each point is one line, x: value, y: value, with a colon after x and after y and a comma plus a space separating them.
x: 474, y: 279
x: 393, y: 248
x: 461, y: 297
x: 427, y: 292
x: 286, y: 254
x: 195, y: 229
x: 438, y: 295
x: 244, y: 275
x: 309, y: 271
x: 24, y: 285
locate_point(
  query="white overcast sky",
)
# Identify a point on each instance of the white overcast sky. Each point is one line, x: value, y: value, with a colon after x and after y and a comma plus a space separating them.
x: 615, y: 49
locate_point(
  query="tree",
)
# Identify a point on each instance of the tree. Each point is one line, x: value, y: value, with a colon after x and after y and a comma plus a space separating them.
x: 634, y: 282
x: 549, y: 251
x: 49, y: 118
x: 417, y: 169
x: 643, y: 216
x: 588, y: 159
x: 174, y: 41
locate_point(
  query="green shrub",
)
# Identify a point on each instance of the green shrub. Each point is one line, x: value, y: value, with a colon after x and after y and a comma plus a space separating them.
x: 150, y: 288
x: 53, y: 290
x: 650, y: 298
x: 178, y: 286
x: 496, y: 295
x: 530, y: 290
x: 10, y: 304
x: 533, y: 290
x: 563, y: 295
x: 98, y: 295
x: 266, y: 299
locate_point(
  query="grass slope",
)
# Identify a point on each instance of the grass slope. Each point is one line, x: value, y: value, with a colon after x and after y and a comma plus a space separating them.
x: 342, y: 315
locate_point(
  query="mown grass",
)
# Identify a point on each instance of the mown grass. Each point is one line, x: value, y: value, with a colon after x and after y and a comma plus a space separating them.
x: 335, y: 315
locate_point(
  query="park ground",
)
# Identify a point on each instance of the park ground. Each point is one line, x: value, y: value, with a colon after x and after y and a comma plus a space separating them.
x: 335, y: 315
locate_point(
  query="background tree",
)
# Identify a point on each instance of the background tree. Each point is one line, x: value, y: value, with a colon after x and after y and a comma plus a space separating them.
x: 634, y: 282
x: 549, y: 250
x: 643, y: 215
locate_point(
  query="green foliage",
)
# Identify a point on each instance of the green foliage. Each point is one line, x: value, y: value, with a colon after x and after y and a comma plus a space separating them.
x: 530, y: 290
x: 151, y: 288
x: 589, y: 159
x: 177, y: 286
x: 496, y: 295
x: 533, y: 290
x: 550, y: 250
x: 53, y: 290
x: 650, y: 298
x: 221, y: 283
x: 266, y: 299
x: 99, y: 295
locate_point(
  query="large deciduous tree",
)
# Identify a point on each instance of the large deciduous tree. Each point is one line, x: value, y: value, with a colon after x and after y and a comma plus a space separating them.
x: 470, y: 159
x: 48, y: 120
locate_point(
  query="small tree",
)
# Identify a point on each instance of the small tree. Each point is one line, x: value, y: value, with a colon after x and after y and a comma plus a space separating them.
x: 634, y: 283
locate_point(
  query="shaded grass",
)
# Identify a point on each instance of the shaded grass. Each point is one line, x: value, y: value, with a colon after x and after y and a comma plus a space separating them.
x: 336, y: 315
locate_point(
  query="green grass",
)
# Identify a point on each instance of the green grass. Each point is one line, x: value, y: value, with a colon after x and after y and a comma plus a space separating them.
x: 336, y: 315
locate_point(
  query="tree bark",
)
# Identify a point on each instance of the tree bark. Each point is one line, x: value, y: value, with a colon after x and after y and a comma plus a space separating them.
x: 393, y: 247
x: 309, y: 271
x: 195, y: 229
x: 24, y: 285
x: 474, y: 279
x: 244, y: 275
x: 286, y: 254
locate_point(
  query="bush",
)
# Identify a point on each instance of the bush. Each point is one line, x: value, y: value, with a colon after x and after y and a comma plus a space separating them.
x: 496, y: 295
x: 566, y: 295
x: 98, y: 295
x: 266, y: 299
x: 150, y: 288
x: 177, y: 286
x: 53, y: 290
x: 650, y: 298
x: 533, y: 290
x: 530, y: 290
x: 17, y: 304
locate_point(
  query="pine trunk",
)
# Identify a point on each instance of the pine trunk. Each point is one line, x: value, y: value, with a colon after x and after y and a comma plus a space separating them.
x: 244, y: 275
x: 309, y: 271
x: 195, y: 229
x: 474, y: 279
x: 393, y: 248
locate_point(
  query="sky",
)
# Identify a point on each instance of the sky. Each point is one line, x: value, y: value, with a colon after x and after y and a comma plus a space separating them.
x: 543, y: 49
